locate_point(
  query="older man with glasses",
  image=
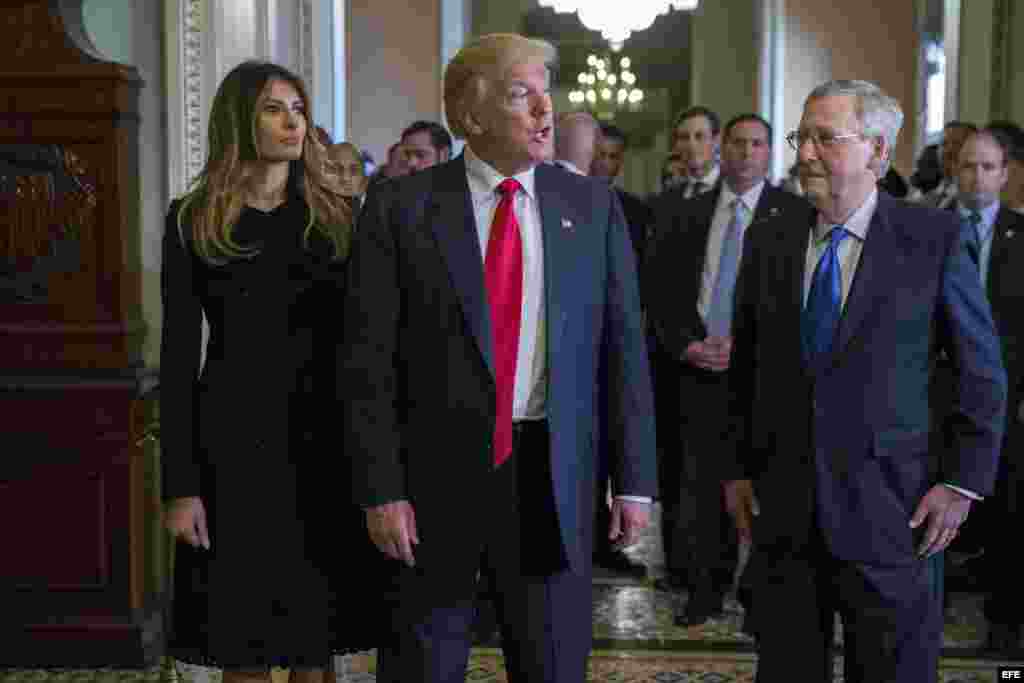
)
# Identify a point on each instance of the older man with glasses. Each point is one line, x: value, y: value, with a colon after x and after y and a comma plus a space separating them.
x: 827, y: 462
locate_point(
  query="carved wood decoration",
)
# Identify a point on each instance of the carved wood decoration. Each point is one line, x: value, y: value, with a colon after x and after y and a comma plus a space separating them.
x: 74, y: 585
x: 47, y: 210
x: 56, y: 95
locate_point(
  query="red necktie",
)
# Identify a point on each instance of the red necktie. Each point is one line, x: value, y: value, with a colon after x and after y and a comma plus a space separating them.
x: 503, y: 277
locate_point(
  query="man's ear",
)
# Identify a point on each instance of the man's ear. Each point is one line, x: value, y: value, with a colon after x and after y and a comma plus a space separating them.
x: 882, y: 150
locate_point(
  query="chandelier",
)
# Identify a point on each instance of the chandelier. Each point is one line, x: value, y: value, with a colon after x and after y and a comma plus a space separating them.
x: 614, y: 21
x: 604, y: 88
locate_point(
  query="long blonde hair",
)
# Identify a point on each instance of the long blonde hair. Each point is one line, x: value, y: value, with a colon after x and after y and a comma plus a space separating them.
x: 215, y: 200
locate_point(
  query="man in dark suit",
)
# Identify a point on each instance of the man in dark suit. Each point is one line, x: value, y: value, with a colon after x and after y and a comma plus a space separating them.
x: 688, y: 283
x: 608, y: 164
x: 981, y: 176
x: 839, y: 318
x: 491, y: 300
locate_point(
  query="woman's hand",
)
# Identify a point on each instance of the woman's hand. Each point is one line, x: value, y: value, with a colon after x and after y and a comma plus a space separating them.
x: 185, y: 518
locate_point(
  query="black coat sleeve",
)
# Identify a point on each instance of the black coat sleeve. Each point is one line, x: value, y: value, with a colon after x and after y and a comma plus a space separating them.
x: 180, y: 352
x: 367, y: 366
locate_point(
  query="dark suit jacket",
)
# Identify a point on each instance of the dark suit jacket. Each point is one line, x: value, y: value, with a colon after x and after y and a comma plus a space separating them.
x: 418, y: 373
x: 1004, y: 286
x: 639, y: 218
x: 672, y: 272
x: 671, y: 283
x: 843, y: 446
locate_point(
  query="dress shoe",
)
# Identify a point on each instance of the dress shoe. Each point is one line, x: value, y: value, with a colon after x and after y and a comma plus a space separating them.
x: 618, y: 561
x: 1003, y: 637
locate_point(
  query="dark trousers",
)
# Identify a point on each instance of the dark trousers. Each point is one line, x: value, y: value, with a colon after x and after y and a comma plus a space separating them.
x: 696, y: 534
x: 543, y: 609
x: 892, y: 619
x: 996, y: 514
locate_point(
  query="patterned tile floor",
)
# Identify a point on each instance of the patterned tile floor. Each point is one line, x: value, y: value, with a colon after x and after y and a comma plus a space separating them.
x: 635, y: 640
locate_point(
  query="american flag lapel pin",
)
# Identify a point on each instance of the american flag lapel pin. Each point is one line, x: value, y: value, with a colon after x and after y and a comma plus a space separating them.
x: 567, y: 224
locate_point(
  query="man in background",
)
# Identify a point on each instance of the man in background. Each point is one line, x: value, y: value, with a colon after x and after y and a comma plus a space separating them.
x: 575, y: 141
x: 425, y: 144
x: 608, y: 165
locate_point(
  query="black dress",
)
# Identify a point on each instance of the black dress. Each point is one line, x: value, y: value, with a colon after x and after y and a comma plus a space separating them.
x: 254, y: 435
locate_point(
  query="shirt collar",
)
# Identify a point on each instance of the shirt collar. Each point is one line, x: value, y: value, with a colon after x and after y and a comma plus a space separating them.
x: 858, y: 222
x: 484, y: 178
x: 749, y: 198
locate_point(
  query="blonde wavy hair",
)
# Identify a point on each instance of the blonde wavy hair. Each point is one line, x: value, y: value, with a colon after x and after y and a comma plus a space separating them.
x: 482, y: 62
x: 215, y: 199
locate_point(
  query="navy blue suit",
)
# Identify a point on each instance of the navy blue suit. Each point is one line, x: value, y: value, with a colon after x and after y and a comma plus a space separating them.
x: 419, y: 384
x: 839, y: 452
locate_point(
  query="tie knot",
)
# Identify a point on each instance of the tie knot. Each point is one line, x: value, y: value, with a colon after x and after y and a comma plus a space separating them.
x: 508, y: 187
x: 836, y: 235
x: 974, y: 218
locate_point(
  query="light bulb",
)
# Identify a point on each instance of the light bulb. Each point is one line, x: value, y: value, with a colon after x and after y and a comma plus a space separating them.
x: 624, y: 62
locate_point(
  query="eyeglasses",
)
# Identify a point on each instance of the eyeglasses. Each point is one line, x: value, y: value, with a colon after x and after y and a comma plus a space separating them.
x: 796, y: 139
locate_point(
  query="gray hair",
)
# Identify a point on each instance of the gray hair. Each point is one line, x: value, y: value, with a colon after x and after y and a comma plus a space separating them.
x: 879, y: 114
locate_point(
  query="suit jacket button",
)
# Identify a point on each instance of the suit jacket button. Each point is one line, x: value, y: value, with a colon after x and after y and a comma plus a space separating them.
x: 244, y: 291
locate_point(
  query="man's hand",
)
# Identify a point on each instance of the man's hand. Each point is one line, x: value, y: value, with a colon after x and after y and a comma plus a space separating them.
x: 392, y: 528
x: 711, y: 354
x: 185, y: 518
x: 742, y: 506
x: 945, y: 510
x: 629, y: 518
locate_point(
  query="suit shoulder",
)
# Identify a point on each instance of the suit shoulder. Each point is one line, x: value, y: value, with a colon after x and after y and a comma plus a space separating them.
x: 924, y: 223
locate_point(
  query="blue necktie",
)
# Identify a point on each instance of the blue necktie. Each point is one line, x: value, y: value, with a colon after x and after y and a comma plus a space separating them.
x: 825, y: 300
x: 719, y: 320
x: 972, y: 224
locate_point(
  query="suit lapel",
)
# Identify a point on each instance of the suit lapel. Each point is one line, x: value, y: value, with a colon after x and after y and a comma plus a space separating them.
x: 454, y: 226
x: 558, y: 227
x: 767, y: 206
x: 698, y: 240
x: 881, y: 256
x: 1002, y: 232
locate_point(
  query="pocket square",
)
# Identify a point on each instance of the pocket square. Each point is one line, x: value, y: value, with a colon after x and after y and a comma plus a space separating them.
x: 1011, y: 233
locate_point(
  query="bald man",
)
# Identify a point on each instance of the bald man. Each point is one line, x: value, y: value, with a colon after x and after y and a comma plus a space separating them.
x: 576, y: 135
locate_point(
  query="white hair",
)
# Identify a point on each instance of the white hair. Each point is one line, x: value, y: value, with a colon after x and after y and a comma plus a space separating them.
x: 879, y: 114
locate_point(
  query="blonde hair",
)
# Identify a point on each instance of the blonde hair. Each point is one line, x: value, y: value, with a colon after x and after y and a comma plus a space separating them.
x: 482, y: 61
x: 215, y: 201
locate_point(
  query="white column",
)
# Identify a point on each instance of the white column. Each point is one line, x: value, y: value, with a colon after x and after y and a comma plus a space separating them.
x: 771, y: 31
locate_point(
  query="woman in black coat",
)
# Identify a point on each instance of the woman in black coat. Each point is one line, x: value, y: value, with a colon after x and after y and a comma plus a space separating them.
x: 255, y: 478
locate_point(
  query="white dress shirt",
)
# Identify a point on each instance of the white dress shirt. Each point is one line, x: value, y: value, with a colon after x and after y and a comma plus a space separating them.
x: 530, y: 392
x: 716, y: 238
x: 531, y: 366
x: 849, y: 253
